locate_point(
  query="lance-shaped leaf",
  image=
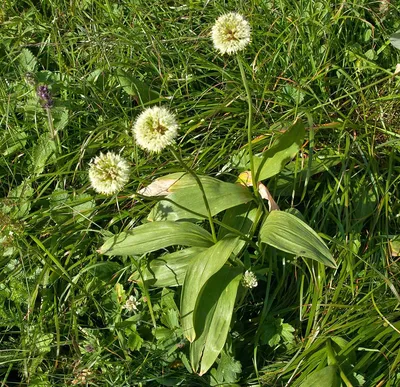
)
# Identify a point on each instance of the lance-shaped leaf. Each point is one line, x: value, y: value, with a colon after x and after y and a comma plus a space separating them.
x: 154, y: 236
x: 136, y: 88
x: 273, y: 160
x: 204, y: 266
x: 288, y: 233
x: 212, y: 317
x: 186, y: 201
x: 240, y: 218
x: 325, y: 377
x: 285, y: 148
x: 168, y: 270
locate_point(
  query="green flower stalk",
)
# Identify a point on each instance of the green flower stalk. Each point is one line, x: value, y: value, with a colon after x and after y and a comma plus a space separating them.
x: 249, y: 124
x: 230, y: 34
x: 108, y: 173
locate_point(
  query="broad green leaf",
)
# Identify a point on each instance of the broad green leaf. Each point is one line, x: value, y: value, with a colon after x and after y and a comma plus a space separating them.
x: 12, y: 141
x: 240, y: 218
x: 204, y: 266
x: 136, y: 88
x: 81, y: 207
x: 19, y: 203
x: 344, y: 350
x: 212, y: 317
x: 293, y: 94
x: 42, y: 154
x: 170, y: 318
x: 326, y: 377
x: 168, y: 299
x: 285, y: 148
x: 273, y: 160
x: 154, y: 236
x: 43, y: 343
x: 287, y: 232
x: 227, y: 372
x: 94, y: 75
x: 58, y: 199
x: 395, y: 39
x: 27, y: 60
x: 188, y: 197
x: 169, y: 269
x: 274, y: 330
x: 60, y: 117
x: 134, y: 341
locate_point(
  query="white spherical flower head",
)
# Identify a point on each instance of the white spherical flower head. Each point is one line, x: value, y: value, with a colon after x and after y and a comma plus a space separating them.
x: 108, y: 173
x: 231, y: 33
x: 249, y: 279
x: 155, y: 128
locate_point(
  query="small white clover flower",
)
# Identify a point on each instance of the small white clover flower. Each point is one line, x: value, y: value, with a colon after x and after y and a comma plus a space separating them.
x: 231, y: 33
x: 108, y: 173
x: 82, y: 377
x: 155, y: 128
x: 131, y: 304
x: 249, y: 279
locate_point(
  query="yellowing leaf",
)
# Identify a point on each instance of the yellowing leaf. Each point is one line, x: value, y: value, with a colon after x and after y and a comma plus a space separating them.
x: 186, y: 199
x: 161, y: 186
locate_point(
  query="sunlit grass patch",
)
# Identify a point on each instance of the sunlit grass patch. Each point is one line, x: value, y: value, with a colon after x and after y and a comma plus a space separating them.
x: 140, y: 282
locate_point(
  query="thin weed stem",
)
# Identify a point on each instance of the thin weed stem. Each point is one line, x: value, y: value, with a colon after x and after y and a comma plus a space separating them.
x: 146, y: 293
x: 53, y: 132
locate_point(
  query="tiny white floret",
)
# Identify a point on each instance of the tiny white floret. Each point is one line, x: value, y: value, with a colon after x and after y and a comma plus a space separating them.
x: 249, y: 279
x: 131, y: 304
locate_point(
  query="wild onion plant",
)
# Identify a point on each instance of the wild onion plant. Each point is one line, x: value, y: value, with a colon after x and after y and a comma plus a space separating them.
x: 239, y: 223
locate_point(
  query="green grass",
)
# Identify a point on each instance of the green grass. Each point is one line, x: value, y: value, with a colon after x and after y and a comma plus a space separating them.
x: 328, y: 63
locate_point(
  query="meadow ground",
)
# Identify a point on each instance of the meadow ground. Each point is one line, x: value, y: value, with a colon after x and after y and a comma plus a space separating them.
x: 75, y: 75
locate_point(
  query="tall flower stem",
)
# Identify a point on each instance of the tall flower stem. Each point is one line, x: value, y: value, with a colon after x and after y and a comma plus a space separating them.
x: 249, y: 123
x: 188, y: 170
x: 53, y: 133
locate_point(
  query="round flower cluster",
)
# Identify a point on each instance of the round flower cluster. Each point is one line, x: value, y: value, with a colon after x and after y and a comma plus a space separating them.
x: 249, y: 279
x: 131, y: 304
x: 108, y: 173
x: 155, y: 128
x: 231, y: 33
